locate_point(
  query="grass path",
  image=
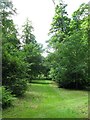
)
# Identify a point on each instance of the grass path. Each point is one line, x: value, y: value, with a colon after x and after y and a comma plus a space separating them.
x: 48, y: 101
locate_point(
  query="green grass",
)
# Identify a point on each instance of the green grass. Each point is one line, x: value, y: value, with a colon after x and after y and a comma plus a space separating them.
x: 47, y: 101
x: 0, y: 101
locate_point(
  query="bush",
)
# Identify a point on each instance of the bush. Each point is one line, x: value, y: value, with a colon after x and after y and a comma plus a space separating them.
x: 72, y: 80
x: 7, y: 98
x: 13, y: 72
x: 19, y: 87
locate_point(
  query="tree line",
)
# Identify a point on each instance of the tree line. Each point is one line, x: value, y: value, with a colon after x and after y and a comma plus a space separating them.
x: 69, y: 38
x: 22, y: 59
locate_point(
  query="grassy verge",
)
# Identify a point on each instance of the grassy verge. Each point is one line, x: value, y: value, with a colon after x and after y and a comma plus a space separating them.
x: 47, y: 101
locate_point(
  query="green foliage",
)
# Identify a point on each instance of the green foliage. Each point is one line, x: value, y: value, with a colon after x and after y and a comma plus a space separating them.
x: 44, y: 69
x: 13, y: 70
x: 13, y: 64
x: 32, y: 51
x: 20, y: 61
x: 27, y: 33
x: 19, y: 87
x: 7, y: 98
x: 69, y: 61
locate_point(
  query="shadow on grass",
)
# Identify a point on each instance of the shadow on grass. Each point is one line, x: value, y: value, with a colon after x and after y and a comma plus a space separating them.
x: 41, y: 82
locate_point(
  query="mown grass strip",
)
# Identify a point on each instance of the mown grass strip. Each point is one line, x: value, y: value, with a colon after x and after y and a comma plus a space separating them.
x: 48, y: 101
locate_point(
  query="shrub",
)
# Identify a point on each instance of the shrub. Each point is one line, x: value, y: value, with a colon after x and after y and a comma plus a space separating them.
x: 13, y: 72
x: 19, y: 87
x: 7, y: 98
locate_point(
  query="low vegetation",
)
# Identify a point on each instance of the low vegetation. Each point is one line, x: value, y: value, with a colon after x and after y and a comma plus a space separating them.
x: 44, y: 99
x: 7, y: 98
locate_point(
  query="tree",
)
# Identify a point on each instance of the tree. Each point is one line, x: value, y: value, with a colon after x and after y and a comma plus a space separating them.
x: 69, y: 39
x: 28, y: 36
x: 32, y: 51
x: 12, y: 64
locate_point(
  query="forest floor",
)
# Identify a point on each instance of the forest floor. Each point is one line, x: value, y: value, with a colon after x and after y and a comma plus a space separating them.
x: 44, y: 99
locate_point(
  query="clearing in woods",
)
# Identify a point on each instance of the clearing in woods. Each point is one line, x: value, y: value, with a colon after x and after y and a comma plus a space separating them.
x: 44, y: 99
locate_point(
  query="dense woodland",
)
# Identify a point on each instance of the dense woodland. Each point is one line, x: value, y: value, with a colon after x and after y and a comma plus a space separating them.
x: 22, y: 59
